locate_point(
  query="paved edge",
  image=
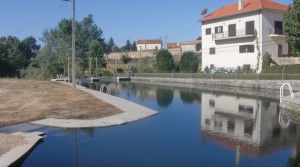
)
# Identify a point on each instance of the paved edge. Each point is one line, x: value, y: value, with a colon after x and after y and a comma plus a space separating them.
x: 292, y: 104
x: 18, y: 152
x: 132, y: 112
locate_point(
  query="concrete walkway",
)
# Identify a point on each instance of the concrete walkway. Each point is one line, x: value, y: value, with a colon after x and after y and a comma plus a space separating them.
x: 15, y: 154
x: 132, y: 112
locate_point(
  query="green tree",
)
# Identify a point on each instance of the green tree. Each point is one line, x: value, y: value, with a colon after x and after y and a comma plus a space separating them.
x: 189, y: 62
x: 266, y: 60
x: 16, y: 55
x: 133, y: 46
x: 164, y: 97
x: 127, y: 47
x: 52, y: 58
x: 164, y: 61
x: 291, y: 26
x: 111, y: 46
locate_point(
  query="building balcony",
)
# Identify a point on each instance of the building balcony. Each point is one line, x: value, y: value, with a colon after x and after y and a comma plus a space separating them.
x: 241, y: 33
x: 277, y: 34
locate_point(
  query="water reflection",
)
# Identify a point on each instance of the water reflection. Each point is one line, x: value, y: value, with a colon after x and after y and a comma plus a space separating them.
x: 248, y: 125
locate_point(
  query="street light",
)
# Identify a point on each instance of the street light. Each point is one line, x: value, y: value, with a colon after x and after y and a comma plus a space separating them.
x: 73, y: 44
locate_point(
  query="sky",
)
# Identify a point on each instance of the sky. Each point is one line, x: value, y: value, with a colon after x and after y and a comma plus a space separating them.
x: 173, y: 21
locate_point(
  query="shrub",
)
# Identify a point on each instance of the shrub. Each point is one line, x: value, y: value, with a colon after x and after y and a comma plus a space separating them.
x: 189, y: 62
x: 125, y: 59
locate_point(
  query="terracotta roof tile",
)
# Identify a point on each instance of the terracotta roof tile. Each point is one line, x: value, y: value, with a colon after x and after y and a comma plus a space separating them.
x: 248, y: 5
x: 151, y: 41
x: 173, y: 45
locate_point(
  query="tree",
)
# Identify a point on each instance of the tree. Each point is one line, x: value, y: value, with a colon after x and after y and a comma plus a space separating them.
x: 16, y: 55
x: 164, y: 61
x: 291, y: 26
x: 189, y: 62
x: 57, y: 46
x: 127, y: 47
x: 111, y: 45
x: 133, y: 46
x: 164, y: 97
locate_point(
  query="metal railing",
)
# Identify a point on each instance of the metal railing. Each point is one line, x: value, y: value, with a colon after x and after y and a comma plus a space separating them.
x: 290, y: 89
x: 103, y: 87
x: 234, y: 34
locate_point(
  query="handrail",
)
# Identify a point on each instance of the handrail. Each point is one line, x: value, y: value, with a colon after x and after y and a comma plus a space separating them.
x: 283, y: 124
x: 290, y: 89
x: 107, y: 88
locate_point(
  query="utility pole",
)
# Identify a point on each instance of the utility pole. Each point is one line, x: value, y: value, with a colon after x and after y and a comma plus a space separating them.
x: 73, y: 46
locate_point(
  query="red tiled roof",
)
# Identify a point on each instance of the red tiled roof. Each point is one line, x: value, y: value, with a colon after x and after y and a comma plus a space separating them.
x: 151, y: 41
x: 192, y: 42
x: 248, y: 5
x: 173, y: 45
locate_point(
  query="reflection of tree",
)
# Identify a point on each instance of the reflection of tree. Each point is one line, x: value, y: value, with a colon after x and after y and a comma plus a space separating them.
x: 295, y: 160
x: 189, y: 97
x: 164, y: 97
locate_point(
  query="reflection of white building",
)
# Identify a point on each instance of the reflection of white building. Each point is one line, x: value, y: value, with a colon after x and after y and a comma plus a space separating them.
x: 248, y: 125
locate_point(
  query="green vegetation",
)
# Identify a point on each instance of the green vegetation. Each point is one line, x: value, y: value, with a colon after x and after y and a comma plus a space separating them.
x: 164, y: 61
x: 291, y: 26
x: 189, y: 62
x: 16, y: 55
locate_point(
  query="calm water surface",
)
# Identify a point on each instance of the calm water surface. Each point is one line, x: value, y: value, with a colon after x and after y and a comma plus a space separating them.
x: 193, y: 128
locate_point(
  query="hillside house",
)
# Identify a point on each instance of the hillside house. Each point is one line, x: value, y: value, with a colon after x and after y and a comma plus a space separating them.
x: 144, y: 45
x: 191, y: 46
x: 240, y: 34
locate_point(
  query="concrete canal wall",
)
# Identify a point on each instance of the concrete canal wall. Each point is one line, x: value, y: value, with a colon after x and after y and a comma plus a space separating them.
x: 272, y: 85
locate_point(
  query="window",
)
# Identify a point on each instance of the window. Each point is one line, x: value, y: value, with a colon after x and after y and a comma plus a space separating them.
x: 246, y: 48
x: 218, y: 29
x: 246, y: 109
x: 278, y: 27
x: 207, y: 122
x: 208, y: 31
x: 231, y: 30
x: 279, y: 50
x: 248, y: 128
x: 230, y: 125
x: 212, y: 103
x: 212, y: 51
x: 250, y: 28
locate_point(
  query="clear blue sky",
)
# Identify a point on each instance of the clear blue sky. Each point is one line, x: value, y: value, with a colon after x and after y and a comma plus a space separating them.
x: 119, y: 19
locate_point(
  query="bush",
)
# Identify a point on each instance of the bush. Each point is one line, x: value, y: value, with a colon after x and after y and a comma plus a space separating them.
x: 120, y: 70
x: 291, y: 69
x: 164, y: 61
x: 189, y: 62
x: 125, y: 59
x: 107, y: 73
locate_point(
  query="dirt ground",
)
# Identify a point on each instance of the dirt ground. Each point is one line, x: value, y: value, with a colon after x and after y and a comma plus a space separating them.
x: 24, y: 101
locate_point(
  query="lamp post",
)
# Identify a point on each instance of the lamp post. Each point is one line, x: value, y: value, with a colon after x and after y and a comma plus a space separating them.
x: 73, y: 44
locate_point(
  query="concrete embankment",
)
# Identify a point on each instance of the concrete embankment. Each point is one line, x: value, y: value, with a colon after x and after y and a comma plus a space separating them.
x: 225, y: 83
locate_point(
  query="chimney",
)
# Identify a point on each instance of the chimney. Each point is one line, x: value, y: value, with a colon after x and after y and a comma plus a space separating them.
x: 241, y: 5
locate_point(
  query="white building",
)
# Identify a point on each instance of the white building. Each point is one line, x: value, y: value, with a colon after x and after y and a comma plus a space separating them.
x: 240, y: 34
x: 144, y: 45
x: 191, y: 46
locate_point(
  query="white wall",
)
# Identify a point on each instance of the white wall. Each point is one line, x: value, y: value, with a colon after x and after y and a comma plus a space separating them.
x: 269, y: 44
x: 142, y: 47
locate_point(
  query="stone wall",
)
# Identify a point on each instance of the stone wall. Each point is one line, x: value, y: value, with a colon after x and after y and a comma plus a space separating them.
x: 286, y: 60
x: 272, y: 85
x: 135, y: 54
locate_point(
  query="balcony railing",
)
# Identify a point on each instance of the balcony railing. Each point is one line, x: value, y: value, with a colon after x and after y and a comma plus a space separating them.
x: 241, y: 33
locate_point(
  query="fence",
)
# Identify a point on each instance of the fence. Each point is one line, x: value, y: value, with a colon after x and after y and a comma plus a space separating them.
x: 242, y: 76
